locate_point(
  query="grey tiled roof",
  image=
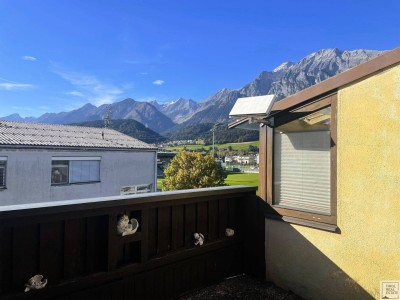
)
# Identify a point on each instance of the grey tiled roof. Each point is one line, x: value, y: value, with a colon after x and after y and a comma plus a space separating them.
x: 50, y: 135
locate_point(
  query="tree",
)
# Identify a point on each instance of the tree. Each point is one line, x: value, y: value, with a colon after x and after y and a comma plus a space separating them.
x: 253, y: 148
x: 190, y: 170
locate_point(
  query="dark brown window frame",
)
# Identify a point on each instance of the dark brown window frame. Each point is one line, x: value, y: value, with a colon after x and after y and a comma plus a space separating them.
x: 321, y: 221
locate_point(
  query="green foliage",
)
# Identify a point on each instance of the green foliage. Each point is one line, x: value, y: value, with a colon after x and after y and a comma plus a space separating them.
x: 190, y: 170
x: 253, y: 148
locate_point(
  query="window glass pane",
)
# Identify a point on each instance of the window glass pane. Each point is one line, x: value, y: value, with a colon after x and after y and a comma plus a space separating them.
x: 84, y: 171
x: 59, y: 172
x: 302, y: 163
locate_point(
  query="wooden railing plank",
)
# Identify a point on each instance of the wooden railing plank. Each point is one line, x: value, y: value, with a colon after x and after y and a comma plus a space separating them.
x: 74, y: 247
x: 5, y: 259
x: 177, y: 230
x: 190, y: 224
x: 25, y: 258
x: 213, y: 220
x: 152, y: 233
x: 222, y: 216
x: 202, y: 219
x: 163, y: 229
x: 51, y: 250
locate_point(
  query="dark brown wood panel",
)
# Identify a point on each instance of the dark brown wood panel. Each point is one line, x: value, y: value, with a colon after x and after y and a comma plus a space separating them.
x: 115, y: 249
x: 74, y: 247
x: 202, y: 219
x: 96, y: 243
x: 140, y: 288
x: 144, y: 229
x: 169, y: 279
x: 177, y: 230
x: 5, y: 259
x: 128, y: 287
x: 190, y: 223
x: 164, y: 230
x: 52, y: 250
x: 25, y: 258
x: 233, y: 222
x: 152, y: 235
x: 223, y: 217
x: 213, y: 220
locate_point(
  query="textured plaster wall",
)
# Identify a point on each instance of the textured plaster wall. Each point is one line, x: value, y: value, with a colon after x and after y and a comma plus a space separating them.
x: 350, y: 265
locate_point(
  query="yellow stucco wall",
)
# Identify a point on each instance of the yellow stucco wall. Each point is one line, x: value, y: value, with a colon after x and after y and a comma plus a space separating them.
x: 320, y: 265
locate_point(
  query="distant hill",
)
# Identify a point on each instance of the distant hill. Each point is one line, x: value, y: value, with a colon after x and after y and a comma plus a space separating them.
x: 222, y: 134
x: 129, y: 127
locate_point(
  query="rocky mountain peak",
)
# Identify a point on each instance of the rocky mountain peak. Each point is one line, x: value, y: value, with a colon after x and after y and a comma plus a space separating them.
x: 283, y: 67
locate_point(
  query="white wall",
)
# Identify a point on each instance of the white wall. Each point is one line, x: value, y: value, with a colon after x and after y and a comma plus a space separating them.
x: 28, y: 177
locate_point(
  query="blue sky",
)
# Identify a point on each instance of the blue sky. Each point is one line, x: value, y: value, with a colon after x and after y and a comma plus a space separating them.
x: 58, y: 55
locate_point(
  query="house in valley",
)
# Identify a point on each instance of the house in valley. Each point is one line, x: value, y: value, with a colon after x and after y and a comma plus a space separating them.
x: 329, y: 176
x: 45, y: 162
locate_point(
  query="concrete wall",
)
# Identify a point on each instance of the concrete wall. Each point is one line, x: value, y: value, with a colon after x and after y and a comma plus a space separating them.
x: 350, y: 265
x: 29, y: 175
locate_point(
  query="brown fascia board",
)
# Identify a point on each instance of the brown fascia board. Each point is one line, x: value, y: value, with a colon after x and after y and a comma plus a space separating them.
x: 331, y: 84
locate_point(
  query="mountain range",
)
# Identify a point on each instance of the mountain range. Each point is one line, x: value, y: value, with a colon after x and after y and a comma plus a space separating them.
x: 288, y: 78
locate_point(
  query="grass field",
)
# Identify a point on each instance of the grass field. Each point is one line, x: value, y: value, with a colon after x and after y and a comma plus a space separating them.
x: 242, y: 179
x: 235, y: 146
x: 232, y: 179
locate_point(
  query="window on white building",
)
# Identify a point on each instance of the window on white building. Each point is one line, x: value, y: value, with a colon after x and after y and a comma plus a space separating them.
x: 68, y: 170
x: 3, y: 168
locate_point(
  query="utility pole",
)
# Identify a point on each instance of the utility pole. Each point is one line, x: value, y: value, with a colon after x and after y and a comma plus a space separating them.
x: 213, y: 132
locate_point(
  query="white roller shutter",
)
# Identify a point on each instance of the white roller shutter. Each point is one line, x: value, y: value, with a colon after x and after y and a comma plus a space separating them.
x: 84, y: 171
x: 302, y: 170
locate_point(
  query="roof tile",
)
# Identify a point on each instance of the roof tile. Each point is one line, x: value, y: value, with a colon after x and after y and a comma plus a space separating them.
x: 37, y: 134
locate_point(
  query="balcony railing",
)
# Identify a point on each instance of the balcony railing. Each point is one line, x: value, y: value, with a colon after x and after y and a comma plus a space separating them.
x: 77, y: 247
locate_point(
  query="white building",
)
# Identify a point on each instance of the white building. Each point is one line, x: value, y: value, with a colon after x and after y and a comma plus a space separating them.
x: 43, y: 162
